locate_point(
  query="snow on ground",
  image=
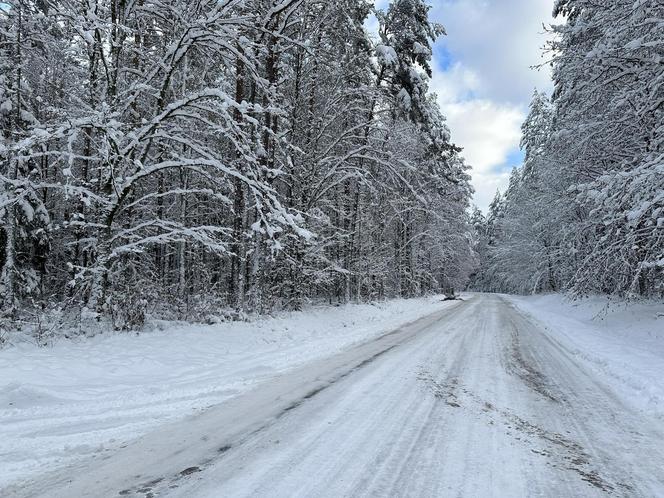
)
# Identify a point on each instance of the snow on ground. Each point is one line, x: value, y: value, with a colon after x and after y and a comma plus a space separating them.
x: 477, y: 400
x: 623, y: 342
x: 89, y: 397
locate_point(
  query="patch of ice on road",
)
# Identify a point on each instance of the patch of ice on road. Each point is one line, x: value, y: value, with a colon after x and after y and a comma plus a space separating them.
x: 89, y: 397
x: 623, y: 342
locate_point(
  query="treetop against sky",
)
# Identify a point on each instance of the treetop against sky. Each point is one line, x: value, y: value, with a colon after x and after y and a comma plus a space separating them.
x: 483, y: 76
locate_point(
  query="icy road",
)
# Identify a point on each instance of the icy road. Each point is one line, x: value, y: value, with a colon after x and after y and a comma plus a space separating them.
x: 475, y: 400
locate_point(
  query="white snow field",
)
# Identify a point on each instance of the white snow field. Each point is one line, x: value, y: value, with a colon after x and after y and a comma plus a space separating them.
x: 491, y: 396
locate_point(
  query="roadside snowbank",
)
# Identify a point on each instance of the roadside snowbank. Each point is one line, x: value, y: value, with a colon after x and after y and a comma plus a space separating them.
x: 88, y: 397
x: 623, y: 342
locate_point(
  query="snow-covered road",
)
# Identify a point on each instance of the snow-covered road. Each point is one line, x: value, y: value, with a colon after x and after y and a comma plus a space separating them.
x: 473, y: 400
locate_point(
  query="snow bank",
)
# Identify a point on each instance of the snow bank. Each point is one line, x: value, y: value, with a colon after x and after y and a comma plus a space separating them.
x: 623, y: 342
x: 89, y: 397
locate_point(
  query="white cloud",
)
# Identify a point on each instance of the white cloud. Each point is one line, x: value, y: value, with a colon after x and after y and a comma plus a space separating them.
x: 488, y: 133
x: 487, y: 130
x: 457, y: 83
x: 485, y: 92
x: 500, y: 39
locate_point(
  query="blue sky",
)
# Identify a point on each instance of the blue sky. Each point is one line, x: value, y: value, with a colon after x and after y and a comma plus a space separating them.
x: 483, y: 79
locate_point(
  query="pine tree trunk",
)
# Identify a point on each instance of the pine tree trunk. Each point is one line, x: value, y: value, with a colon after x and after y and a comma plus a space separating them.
x: 182, y: 247
x: 8, y: 275
x: 236, y: 277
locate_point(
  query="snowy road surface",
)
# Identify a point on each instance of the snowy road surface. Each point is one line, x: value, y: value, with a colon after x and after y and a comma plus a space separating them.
x: 474, y: 400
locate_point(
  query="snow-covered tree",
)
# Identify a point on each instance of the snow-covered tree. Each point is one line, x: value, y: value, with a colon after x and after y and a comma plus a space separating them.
x: 587, y: 213
x: 244, y: 154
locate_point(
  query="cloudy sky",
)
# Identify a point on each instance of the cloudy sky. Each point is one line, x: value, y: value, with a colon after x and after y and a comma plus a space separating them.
x: 484, y: 82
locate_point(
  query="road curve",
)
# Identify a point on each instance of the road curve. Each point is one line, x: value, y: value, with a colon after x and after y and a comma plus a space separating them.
x: 473, y: 401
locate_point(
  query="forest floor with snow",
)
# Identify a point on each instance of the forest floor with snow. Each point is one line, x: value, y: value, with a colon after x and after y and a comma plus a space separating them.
x: 86, y: 398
